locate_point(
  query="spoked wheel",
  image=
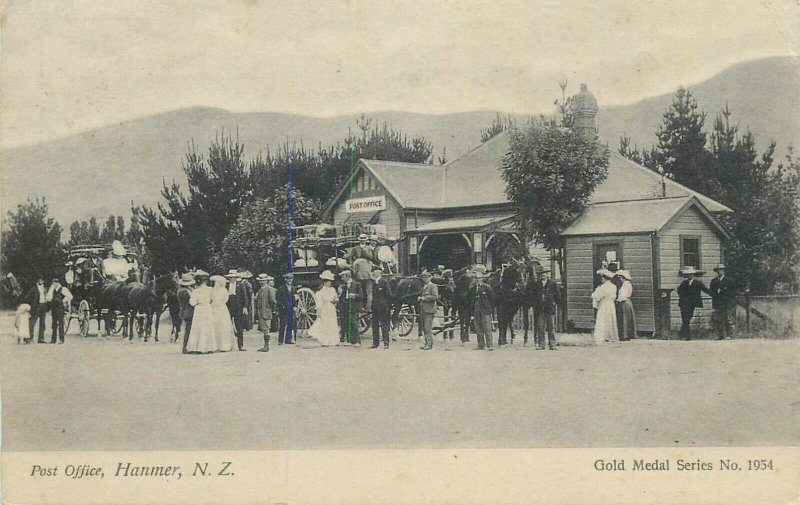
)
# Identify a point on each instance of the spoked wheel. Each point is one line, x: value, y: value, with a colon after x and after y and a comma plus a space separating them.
x: 364, y: 322
x: 306, y: 309
x: 405, y: 320
x: 84, y: 318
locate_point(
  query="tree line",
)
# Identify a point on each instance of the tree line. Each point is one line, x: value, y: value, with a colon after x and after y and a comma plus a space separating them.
x: 725, y: 164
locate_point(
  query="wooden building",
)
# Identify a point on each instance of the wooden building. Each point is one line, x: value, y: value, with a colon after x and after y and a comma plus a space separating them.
x: 451, y: 215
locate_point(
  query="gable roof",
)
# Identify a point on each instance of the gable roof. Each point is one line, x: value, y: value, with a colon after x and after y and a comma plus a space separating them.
x: 635, y: 216
x: 475, y: 179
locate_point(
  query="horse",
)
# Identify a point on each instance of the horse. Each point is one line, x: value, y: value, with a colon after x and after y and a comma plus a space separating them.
x: 148, y: 299
x: 509, y: 289
x: 405, y: 290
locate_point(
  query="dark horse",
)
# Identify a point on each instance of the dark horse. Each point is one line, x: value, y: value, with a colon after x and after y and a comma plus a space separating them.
x: 148, y: 299
x: 509, y: 290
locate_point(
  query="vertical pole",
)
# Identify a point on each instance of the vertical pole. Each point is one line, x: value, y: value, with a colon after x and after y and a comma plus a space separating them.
x: 747, y: 305
x: 289, y: 301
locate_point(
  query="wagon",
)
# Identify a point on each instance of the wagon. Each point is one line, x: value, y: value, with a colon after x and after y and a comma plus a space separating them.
x: 85, y: 284
x: 320, y: 247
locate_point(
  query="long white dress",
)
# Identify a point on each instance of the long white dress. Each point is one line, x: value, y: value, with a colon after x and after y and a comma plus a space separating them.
x: 224, y: 332
x: 326, y: 328
x: 201, y: 336
x: 605, y: 325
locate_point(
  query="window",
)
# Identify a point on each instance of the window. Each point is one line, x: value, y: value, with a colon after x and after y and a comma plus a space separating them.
x: 690, y: 252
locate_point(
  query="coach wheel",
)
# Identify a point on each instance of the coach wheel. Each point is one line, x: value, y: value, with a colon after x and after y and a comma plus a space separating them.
x: 306, y: 309
x: 84, y: 318
x: 405, y: 320
x: 364, y: 322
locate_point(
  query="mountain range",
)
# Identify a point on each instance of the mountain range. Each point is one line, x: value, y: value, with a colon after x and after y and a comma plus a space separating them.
x: 101, y: 171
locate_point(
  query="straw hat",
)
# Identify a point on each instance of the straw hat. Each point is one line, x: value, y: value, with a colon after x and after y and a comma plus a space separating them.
x: 327, y: 275
x: 720, y: 266
x: 218, y: 279
x: 117, y: 249
x: 691, y: 270
x: 606, y: 273
x: 200, y: 273
x: 363, y: 237
x: 187, y: 279
x: 233, y: 273
x: 263, y: 277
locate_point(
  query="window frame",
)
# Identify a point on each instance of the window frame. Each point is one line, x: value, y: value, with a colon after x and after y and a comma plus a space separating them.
x: 699, y: 239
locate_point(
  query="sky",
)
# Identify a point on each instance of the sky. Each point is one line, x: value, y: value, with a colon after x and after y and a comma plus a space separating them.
x: 68, y: 66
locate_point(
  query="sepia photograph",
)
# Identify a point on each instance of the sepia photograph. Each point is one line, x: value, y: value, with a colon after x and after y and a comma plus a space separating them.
x: 383, y: 229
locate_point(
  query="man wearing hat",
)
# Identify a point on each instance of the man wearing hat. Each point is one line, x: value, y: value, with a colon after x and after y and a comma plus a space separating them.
x: 723, y: 301
x: 450, y: 309
x: 382, y: 299
x: 265, y: 304
x: 427, y: 298
x: 285, y: 298
x: 481, y: 298
x: 546, y: 296
x: 361, y: 261
x: 351, y: 303
x: 239, y: 303
x: 185, y: 310
x: 245, y: 276
x: 690, y: 297
x: 58, y: 296
x: 36, y: 297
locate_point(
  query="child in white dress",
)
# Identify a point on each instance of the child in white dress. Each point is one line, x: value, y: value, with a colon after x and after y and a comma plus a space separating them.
x: 21, y: 320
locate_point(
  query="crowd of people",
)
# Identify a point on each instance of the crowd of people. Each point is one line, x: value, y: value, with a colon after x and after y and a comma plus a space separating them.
x: 215, y: 311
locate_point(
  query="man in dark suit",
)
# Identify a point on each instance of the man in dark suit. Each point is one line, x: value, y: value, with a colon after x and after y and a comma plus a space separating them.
x: 185, y: 309
x: 285, y: 298
x: 690, y: 297
x: 481, y: 297
x: 265, y: 304
x: 58, y: 297
x: 36, y: 297
x: 546, y: 298
x: 239, y: 303
x: 352, y: 298
x: 723, y: 301
x: 382, y: 298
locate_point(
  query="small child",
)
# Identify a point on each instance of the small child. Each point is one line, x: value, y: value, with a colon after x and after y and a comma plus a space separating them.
x: 21, y: 323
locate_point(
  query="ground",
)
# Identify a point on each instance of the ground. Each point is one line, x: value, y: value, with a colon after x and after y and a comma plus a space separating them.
x: 98, y: 394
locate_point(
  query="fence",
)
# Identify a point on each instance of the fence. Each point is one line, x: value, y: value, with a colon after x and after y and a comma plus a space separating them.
x: 773, y: 316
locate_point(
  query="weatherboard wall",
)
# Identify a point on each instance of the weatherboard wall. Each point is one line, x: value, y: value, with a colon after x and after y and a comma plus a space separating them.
x: 580, y: 276
x: 689, y: 223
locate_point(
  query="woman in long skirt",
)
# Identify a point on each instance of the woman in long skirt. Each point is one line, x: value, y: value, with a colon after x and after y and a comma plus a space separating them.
x: 628, y: 324
x: 326, y: 328
x: 201, y: 336
x: 224, y: 332
x: 603, y: 298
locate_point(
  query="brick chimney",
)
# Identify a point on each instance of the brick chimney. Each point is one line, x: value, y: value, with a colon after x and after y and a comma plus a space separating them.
x: 584, y: 112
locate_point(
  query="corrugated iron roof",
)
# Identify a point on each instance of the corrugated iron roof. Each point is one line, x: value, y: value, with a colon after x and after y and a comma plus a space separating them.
x: 462, y: 223
x: 641, y: 216
x: 476, y: 179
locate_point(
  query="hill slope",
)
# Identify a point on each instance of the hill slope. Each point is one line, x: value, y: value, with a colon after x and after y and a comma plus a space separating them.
x: 101, y: 171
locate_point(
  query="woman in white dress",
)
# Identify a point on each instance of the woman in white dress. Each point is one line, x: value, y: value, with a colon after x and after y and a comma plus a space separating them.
x: 603, y: 299
x: 224, y: 332
x: 326, y: 328
x: 201, y: 336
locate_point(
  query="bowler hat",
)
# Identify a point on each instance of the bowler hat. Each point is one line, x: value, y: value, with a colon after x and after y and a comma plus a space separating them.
x: 288, y: 275
x: 720, y: 266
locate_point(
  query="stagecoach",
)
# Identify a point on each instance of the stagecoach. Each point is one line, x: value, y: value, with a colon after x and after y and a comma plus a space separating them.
x: 84, y: 281
x: 319, y: 247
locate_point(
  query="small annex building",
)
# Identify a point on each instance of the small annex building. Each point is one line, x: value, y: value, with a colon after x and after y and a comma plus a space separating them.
x: 451, y: 214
